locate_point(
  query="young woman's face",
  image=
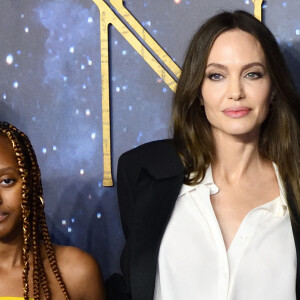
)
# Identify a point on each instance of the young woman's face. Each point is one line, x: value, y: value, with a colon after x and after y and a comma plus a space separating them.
x: 236, y: 90
x: 10, y: 193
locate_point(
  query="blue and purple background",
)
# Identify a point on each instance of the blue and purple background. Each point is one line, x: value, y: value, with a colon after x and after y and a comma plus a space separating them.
x: 50, y: 87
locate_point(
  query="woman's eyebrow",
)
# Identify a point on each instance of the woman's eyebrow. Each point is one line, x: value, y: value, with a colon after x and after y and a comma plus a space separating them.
x: 247, y: 66
x: 254, y: 64
x: 7, y: 169
x: 217, y: 66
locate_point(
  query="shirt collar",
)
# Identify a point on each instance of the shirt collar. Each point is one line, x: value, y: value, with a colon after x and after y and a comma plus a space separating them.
x: 281, y: 185
x: 207, y: 181
x: 277, y: 207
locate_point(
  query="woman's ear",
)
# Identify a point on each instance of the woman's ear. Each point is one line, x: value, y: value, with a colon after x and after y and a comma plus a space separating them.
x: 201, y: 100
x: 273, y: 94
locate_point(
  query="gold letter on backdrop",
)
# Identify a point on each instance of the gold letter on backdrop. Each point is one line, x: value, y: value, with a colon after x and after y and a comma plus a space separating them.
x: 257, y: 8
x: 107, y: 16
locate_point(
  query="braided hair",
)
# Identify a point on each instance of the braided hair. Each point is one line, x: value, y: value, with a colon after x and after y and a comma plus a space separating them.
x: 35, y: 227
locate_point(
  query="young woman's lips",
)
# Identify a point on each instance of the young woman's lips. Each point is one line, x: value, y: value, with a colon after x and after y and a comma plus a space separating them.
x: 3, y: 216
x: 236, y: 112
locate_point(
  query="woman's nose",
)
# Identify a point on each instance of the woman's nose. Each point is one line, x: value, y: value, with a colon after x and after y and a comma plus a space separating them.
x: 235, y: 90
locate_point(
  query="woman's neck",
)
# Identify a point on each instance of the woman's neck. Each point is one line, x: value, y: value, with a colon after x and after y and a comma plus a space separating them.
x: 11, y: 254
x: 236, y: 157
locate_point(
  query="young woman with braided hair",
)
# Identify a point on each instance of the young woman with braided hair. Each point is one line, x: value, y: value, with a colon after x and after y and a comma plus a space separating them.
x: 30, y: 265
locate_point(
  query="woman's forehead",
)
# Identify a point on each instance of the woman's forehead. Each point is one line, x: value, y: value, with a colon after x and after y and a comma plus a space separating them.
x: 236, y: 46
x: 7, y: 153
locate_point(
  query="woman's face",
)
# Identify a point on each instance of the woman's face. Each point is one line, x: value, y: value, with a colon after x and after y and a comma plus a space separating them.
x: 10, y: 193
x: 236, y: 90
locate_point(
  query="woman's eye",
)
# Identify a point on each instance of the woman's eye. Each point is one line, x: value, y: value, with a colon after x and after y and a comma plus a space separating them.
x: 254, y: 75
x: 215, y: 76
x: 7, y: 181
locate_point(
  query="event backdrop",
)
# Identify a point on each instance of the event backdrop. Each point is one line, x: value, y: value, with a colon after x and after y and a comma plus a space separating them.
x: 50, y: 87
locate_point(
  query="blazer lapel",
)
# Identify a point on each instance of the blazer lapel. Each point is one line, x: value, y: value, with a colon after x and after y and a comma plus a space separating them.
x: 155, y: 199
x: 290, y: 197
x: 296, y: 232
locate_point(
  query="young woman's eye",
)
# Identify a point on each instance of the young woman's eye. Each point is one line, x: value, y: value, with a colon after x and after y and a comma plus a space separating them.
x: 215, y: 76
x: 7, y: 182
x: 254, y: 75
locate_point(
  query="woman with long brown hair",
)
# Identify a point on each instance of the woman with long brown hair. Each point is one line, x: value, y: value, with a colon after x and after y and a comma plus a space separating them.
x: 214, y: 212
x: 30, y: 265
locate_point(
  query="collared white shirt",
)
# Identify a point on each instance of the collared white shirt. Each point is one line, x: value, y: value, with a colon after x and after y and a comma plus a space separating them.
x: 193, y: 263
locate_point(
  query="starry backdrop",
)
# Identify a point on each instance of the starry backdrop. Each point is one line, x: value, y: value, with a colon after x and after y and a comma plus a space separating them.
x: 50, y: 87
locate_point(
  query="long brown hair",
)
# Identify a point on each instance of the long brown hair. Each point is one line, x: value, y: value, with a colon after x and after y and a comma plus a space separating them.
x: 35, y: 229
x: 279, y: 136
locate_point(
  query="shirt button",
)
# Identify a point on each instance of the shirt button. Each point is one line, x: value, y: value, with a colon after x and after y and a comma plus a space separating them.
x: 226, y: 275
x: 243, y: 237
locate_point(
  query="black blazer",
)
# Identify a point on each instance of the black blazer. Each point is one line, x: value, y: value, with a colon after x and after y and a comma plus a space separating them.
x: 148, y: 183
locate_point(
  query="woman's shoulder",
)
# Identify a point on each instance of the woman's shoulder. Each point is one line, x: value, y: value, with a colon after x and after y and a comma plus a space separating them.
x: 150, y: 148
x: 158, y: 157
x: 155, y: 151
x: 79, y: 269
x: 71, y: 258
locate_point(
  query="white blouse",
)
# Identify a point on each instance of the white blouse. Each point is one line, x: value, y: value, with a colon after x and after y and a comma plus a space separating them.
x: 193, y: 263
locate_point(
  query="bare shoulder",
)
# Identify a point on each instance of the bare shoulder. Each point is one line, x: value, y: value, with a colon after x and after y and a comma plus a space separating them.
x: 81, y: 273
x: 74, y: 258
